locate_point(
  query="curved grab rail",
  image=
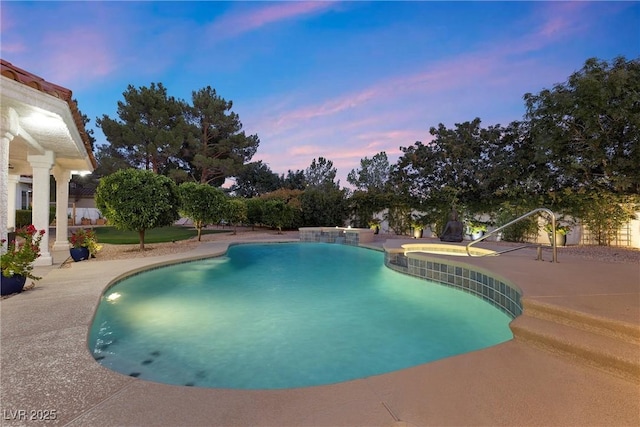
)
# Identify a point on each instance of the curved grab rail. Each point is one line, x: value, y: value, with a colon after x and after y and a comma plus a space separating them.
x: 520, y: 218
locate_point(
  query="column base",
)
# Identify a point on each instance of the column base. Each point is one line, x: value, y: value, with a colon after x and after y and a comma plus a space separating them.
x: 43, y: 260
x: 60, y: 246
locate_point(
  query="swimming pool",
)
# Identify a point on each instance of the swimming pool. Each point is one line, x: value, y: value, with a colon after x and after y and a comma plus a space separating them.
x: 269, y: 316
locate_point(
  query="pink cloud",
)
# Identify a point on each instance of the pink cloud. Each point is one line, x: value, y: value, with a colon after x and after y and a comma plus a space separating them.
x: 494, y: 67
x: 380, y: 140
x: 343, y: 129
x: 553, y: 22
x: 304, y: 150
x: 17, y: 47
x: 562, y: 17
x: 241, y: 21
x: 554, y: 26
x: 282, y: 11
x: 10, y: 44
x: 340, y: 128
x: 344, y: 158
x: 78, y: 56
x: 7, y: 20
x: 339, y: 142
x: 438, y: 79
x: 328, y: 108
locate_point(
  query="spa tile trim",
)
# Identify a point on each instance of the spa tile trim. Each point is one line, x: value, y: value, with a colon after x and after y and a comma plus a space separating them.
x: 496, y: 291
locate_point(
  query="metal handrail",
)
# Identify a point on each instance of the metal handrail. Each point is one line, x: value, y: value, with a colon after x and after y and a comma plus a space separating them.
x: 520, y: 218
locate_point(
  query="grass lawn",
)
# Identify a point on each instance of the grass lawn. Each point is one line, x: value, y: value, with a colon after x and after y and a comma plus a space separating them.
x: 114, y: 236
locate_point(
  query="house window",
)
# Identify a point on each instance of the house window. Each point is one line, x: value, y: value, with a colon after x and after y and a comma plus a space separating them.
x: 25, y: 202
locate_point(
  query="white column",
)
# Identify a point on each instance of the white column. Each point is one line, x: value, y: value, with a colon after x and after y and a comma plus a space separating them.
x: 62, y: 177
x: 12, y: 182
x: 41, y: 165
x: 4, y: 188
x: 8, y: 131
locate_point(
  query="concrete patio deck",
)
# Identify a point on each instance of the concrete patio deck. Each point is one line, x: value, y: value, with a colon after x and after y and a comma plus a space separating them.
x: 538, y: 378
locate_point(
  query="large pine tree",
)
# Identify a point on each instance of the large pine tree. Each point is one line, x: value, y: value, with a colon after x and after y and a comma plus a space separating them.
x: 219, y: 147
x: 150, y: 131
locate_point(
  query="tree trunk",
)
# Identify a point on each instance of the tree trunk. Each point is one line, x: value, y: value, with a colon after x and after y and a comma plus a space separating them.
x: 141, y: 234
x: 199, y: 228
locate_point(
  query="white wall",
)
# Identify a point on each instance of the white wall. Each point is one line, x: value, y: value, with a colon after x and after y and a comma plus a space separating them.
x: 635, y: 231
x: 91, y: 213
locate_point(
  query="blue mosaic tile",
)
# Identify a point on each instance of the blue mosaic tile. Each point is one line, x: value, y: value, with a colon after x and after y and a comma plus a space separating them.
x: 492, y: 290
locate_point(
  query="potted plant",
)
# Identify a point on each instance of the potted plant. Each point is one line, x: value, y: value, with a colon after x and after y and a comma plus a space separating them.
x: 476, y: 230
x: 560, y: 235
x: 84, y: 244
x: 418, y: 230
x: 374, y: 224
x: 418, y: 224
x: 101, y: 220
x: 85, y: 220
x: 17, y: 261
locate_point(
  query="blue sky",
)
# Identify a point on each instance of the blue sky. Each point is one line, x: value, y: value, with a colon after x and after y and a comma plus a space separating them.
x: 341, y: 80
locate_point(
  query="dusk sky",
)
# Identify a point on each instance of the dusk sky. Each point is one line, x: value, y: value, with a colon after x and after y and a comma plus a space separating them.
x: 341, y: 80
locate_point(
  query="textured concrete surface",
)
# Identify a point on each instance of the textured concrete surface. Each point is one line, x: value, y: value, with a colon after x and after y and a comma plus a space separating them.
x: 46, y: 366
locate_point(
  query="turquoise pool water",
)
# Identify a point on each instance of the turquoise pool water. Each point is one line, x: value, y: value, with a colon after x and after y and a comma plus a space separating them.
x: 269, y: 316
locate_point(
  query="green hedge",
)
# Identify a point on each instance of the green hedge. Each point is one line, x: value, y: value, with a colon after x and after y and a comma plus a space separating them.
x: 24, y: 218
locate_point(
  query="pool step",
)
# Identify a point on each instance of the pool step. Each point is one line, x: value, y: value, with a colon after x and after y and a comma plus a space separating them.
x: 597, y: 342
x: 599, y: 325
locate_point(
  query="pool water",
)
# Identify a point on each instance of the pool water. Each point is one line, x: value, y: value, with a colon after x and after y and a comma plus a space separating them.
x: 270, y: 316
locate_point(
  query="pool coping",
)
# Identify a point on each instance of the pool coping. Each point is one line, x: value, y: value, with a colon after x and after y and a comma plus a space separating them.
x: 511, y: 383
